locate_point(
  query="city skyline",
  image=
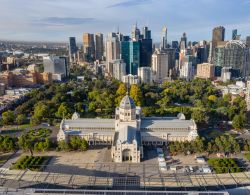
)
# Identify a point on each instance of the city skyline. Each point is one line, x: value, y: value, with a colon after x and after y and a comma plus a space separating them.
x: 56, y: 20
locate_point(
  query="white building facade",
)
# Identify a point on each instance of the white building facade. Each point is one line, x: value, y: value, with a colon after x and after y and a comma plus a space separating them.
x: 129, y: 131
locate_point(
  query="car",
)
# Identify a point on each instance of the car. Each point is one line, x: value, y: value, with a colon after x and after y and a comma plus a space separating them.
x: 206, y: 170
x: 173, y: 168
x: 163, y: 169
x: 45, y: 124
x: 200, y: 160
x: 160, y: 159
x: 162, y: 164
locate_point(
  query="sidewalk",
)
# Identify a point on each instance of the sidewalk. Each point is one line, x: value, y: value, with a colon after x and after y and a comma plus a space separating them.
x: 12, y: 160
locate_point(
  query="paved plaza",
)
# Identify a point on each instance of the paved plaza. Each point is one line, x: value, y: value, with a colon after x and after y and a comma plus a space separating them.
x: 93, y: 169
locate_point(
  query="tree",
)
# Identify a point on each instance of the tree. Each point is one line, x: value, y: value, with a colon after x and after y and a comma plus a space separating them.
x: 84, y: 145
x: 25, y: 143
x: 212, y: 98
x: 41, y: 110
x: 120, y: 93
x: 8, y: 117
x: 64, y: 111
x: 136, y: 95
x: 20, y: 119
x: 238, y: 122
x: 62, y: 145
x: 7, y: 144
x: 79, y: 107
x: 199, y: 115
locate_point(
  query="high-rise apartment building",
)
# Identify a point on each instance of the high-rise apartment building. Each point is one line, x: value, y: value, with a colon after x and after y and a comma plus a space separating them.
x: 145, y: 75
x: 72, y: 50
x: 205, y: 71
x: 187, y: 71
x: 99, y: 48
x: 88, y: 47
x: 119, y: 69
x: 164, y: 38
x: 160, y: 66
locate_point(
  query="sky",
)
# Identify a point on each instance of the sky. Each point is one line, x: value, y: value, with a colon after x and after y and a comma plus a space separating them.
x: 56, y: 20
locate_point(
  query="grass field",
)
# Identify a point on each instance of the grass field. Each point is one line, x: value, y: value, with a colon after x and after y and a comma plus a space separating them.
x: 247, y: 156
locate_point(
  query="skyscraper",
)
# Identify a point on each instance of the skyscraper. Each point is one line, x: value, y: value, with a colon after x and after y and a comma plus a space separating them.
x: 175, y: 45
x: 72, y: 50
x: 234, y: 34
x: 146, y: 33
x: 145, y: 74
x: 162, y: 63
x: 134, y: 57
x: 201, y: 54
x: 164, y: 40
x: 218, y: 34
x: 187, y: 70
x: 146, y: 48
x: 99, y: 49
x: 119, y: 69
x: 88, y: 46
x: 135, y: 34
x: 248, y: 41
x: 183, y: 43
x: 112, y: 49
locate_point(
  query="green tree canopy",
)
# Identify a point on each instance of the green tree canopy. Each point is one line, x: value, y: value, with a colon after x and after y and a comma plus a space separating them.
x: 8, y: 117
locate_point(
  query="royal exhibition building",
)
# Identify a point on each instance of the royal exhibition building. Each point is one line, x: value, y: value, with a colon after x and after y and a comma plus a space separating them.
x: 129, y: 131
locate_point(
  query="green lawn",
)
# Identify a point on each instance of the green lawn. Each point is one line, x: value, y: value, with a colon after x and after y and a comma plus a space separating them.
x: 247, y: 156
x: 33, y: 163
x: 25, y: 126
x: 224, y: 165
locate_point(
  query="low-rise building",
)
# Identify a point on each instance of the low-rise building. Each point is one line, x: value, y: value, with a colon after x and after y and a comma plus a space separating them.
x: 130, y: 79
x: 128, y: 131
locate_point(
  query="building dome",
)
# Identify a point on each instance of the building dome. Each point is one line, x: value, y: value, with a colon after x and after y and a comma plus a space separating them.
x: 127, y: 103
